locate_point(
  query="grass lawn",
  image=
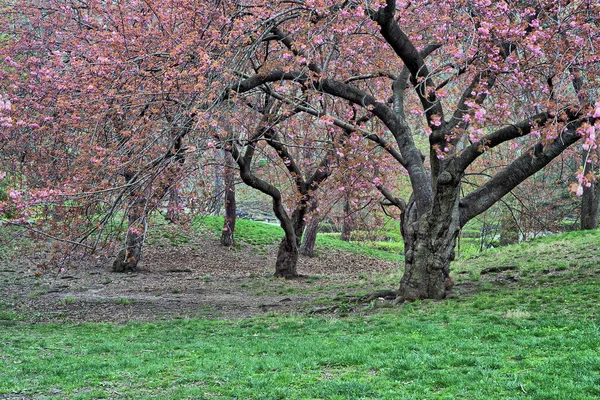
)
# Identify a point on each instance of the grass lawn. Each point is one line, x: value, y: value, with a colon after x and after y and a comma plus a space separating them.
x: 260, y: 234
x: 538, y: 338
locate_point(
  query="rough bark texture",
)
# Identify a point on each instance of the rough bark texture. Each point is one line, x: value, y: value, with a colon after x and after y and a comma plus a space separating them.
x: 287, y: 259
x: 310, y: 237
x: 589, y: 207
x: 227, y: 234
x: 429, y: 242
x: 287, y: 255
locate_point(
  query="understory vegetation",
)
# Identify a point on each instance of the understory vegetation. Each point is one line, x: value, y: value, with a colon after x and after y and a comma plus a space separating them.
x: 525, y: 324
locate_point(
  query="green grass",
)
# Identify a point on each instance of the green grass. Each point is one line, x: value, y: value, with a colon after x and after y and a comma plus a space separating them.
x: 261, y: 234
x: 481, y: 348
x: 538, y: 338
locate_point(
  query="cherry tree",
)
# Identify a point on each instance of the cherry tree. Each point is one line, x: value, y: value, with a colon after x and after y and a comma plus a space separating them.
x: 479, y: 75
x: 104, y: 96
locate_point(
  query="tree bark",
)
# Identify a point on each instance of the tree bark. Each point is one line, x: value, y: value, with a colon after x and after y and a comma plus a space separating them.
x: 287, y: 259
x: 128, y: 258
x: 227, y: 234
x: 287, y: 255
x: 429, y: 242
x: 310, y: 237
x: 347, y: 223
x: 590, y: 201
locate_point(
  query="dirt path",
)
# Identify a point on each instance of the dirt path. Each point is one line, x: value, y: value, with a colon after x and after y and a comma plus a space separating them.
x: 198, y: 279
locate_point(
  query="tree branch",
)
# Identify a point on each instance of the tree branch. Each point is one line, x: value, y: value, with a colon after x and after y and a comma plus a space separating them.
x: 498, y: 137
x: 536, y: 158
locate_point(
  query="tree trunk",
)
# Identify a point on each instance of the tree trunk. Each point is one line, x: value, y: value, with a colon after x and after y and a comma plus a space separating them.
x: 590, y: 202
x: 310, y: 234
x: 310, y: 237
x: 129, y: 257
x: 227, y: 235
x: 173, y: 206
x: 347, y: 223
x: 429, y: 242
x: 287, y: 259
x: 287, y: 255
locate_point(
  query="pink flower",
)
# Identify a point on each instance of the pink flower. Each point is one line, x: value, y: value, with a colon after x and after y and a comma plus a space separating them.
x: 597, y: 110
x: 579, y: 191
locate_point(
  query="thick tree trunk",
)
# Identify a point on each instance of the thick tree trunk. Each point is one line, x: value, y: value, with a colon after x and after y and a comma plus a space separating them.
x: 429, y: 242
x: 287, y: 255
x: 310, y: 234
x: 227, y: 234
x: 129, y: 257
x: 589, y: 208
x: 287, y: 259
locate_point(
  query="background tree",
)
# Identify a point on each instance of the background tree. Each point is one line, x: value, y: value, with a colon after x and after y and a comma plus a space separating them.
x: 104, y: 94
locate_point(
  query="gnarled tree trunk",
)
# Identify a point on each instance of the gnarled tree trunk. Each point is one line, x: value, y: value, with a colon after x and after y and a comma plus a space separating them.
x: 590, y: 201
x: 347, y: 222
x: 287, y: 259
x: 287, y: 255
x: 429, y: 242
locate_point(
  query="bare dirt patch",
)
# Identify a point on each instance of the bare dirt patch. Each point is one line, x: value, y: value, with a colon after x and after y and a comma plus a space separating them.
x: 200, y: 279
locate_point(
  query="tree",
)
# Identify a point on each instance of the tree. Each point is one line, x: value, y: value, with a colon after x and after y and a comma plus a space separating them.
x: 227, y: 234
x: 276, y: 140
x: 104, y: 96
x: 484, y: 76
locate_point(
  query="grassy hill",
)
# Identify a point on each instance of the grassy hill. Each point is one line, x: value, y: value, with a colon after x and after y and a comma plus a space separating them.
x: 527, y: 327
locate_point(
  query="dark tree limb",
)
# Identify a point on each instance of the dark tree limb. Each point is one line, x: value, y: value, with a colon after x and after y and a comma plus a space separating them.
x: 536, y: 158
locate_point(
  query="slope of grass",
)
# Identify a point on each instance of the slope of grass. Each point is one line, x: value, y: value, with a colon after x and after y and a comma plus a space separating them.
x: 569, y: 251
x: 260, y: 234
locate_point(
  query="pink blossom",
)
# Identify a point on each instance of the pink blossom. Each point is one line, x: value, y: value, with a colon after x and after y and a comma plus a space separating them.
x: 596, y: 110
x: 14, y: 194
x: 579, y: 191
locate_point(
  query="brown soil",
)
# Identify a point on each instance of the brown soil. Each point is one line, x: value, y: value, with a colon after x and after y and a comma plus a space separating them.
x: 201, y: 279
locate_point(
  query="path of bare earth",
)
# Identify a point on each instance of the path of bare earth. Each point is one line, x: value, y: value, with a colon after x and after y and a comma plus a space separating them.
x: 199, y: 279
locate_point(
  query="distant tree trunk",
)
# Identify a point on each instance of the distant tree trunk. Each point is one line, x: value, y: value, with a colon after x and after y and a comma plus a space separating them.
x: 173, y: 206
x: 310, y: 238
x: 590, y: 201
x: 347, y: 223
x: 227, y: 235
x: 130, y: 256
